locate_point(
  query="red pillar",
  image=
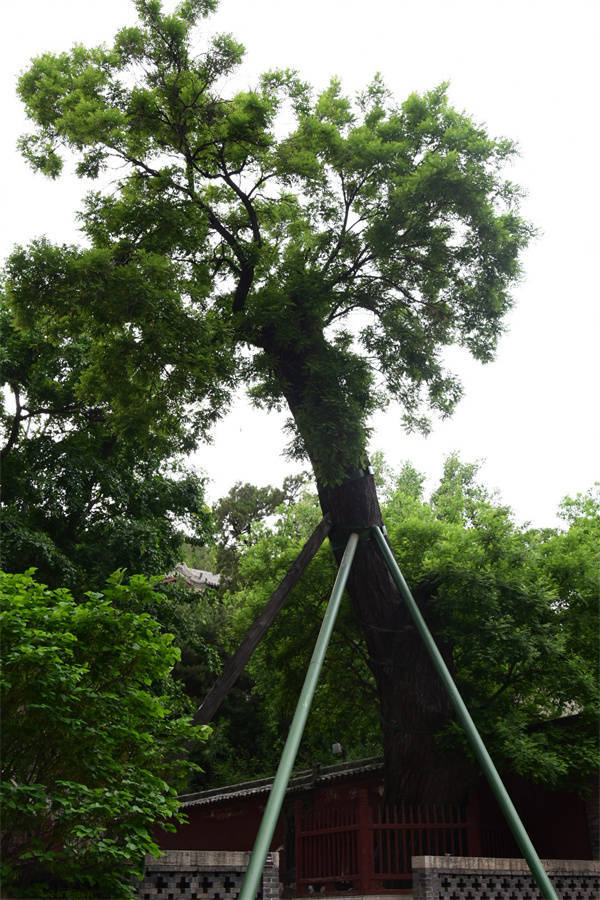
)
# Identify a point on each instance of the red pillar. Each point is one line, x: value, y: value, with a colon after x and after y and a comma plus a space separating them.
x: 365, y: 843
x: 298, y: 845
x: 473, y: 825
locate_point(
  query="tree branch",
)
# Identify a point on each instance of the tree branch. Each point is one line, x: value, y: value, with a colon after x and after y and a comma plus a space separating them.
x: 247, y: 205
x: 338, y: 244
x: 506, y: 683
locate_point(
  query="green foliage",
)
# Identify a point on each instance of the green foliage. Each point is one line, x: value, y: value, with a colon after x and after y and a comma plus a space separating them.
x: 345, y: 706
x: 251, y: 729
x: 327, y: 265
x: 204, y: 626
x: 501, y: 607
x: 572, y: 559
x: 245, y: 505
x: 110, y: 328
x: 518, y: 607
x: 81, y: 496
x: 238, y: 513
x: 90, y: 744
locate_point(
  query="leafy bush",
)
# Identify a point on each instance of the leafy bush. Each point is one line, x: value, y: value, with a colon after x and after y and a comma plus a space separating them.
x: 91, y: 756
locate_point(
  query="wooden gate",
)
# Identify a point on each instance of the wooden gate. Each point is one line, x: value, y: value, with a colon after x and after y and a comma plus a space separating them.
x: 327, y: 849
x: 367, y: 848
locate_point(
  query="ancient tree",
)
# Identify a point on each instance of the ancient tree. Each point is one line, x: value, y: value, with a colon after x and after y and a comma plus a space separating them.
x: 321, y: 250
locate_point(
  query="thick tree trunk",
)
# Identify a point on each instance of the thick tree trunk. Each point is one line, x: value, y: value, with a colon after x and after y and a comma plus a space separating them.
x: 414, y: 706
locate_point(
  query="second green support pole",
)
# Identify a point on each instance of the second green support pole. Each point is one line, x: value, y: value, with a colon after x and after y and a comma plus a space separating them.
x: 464, y: 717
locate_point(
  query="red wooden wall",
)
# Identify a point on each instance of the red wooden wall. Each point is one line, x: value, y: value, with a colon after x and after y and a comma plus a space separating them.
x: 340, y: 838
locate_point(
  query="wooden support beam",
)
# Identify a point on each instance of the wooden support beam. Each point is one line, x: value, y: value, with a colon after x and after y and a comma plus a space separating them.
x: 236, y: 664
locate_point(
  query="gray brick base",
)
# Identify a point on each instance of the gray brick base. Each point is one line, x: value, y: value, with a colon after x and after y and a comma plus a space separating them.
x: 480, y: 878
x: 204, y: 875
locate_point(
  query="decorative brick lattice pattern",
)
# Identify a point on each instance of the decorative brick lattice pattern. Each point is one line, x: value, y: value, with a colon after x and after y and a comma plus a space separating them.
x: 165, y: 885
x: 514, y: 887
x: 193, y: 875
x: 437, y: 878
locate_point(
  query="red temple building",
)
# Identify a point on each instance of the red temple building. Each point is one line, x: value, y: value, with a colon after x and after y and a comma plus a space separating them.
x: 336, y: 836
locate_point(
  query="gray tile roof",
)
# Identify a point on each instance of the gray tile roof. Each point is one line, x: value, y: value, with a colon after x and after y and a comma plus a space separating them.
x: 303, y: 780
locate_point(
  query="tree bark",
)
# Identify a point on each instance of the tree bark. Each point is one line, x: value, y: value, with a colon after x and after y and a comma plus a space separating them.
x: 414, y: 706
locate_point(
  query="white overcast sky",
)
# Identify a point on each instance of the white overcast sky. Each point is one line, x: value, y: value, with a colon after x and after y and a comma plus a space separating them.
x: 529, y: 70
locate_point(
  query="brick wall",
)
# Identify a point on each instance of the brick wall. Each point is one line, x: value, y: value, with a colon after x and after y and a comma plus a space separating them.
x: 482, y: 878
x: 204, y: 875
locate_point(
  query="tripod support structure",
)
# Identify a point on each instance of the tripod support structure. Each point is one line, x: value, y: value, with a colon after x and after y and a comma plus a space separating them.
x: 290, y: 750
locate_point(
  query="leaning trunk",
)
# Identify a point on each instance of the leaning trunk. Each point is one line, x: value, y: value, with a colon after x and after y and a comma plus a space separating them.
x: 414, y: 707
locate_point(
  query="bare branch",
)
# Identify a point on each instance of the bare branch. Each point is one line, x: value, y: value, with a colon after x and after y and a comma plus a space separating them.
x: 226, y: 175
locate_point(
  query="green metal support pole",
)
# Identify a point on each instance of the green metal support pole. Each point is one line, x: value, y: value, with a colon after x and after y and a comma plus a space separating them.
x: 288, y: 757
x: 477, y: 745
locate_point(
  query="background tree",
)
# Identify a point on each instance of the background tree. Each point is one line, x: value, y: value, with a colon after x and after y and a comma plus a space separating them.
x: 236, y: 514
x: 330, y: 248
x: 500, y: 607
x: 90, y: 739
x: 572, y: 558
x: 82, y: 497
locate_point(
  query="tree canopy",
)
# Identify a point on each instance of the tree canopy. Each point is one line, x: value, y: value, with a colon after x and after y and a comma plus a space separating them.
x: 82, y: 497
x: 341, y: 244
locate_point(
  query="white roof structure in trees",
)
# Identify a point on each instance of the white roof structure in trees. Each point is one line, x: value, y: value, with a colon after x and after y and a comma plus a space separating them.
x: 197, y: 579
